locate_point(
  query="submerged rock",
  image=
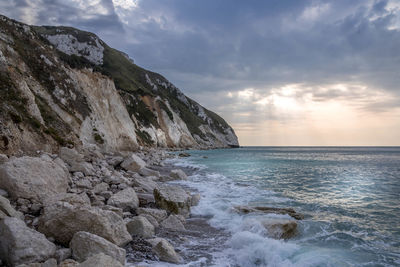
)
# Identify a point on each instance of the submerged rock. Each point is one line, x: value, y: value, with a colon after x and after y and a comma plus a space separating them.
x: 289, y: 211
x: 33, y: 178
x: 280, y: 228
x: 173, y: 199
x: 84, y: 245
x: 20, y: 244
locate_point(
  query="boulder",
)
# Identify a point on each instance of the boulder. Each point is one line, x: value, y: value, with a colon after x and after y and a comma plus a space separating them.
x: 20, y: 244
x: 100, y: 260
x: 70, y: 155
x: 61, y: 220
x: 115, y: 161
x: 73, y: 199
x: 173, y: 223
x: 68, y: 263
x: 280, y: 228
x: 146, y: 199
x: 101, y: 187
x: 125, y: 199
x: 157, y: 214
x: 133, y: 163
x: 50, y: 263
x: 140, y: 226
x: 8, y: 210
x: 184, y: 155
x: 289, y: 211
x: 195, y: 200
x: 152, y: 220
x: 173, y: 199
x: 166, y: 252
x: 84, y: 167
x: 62, y: 254
x: 149, y: 172
x: 84, y: 245
x: 33, y: 178
x: 146, y: 183
x: 3, y: 193
x: 178, y: 174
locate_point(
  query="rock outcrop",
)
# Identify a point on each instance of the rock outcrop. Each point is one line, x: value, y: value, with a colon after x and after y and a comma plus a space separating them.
x: 62, y: 86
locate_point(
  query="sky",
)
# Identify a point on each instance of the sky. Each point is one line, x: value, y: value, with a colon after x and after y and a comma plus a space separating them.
x: 279, y: 72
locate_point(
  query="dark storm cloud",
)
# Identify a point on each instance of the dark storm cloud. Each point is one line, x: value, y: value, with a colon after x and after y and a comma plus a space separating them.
x: 224, y: 45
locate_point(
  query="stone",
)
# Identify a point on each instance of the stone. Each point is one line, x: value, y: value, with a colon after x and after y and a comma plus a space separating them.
x: 133, y: 163
x: 178, y: 174
x: 50, y: 263
x: 101, y: 187
x: 3, y: 193
x: 61, y: 220
x: 140, y: 226
x: 33, y: 178
x: 84, y: 167
x: 68, y: 263
x: 70, y: 155
x: 118, y: 211
x: 8, y: 210
x: 145, y: 183
x: 84, y: 245
x: 115, y: 161
x: 84, y: 183
x: 173, y: 199
x: 149, y: 172
x: 289, y: 211
x: 151, y: 219
x: 125, y: 199
x: 100, y: 260
x: 145, y: 199
x: 184, y: 155
x: 73, y: 199
x: 280, y: 228
x: 20, y: 244
x: 173, y: 223
x: 3, y: 158
x: 62, y: 254
x: 106, y: 194
x: 159, y: 215
x: 195, y: 200
x: 166, y: 252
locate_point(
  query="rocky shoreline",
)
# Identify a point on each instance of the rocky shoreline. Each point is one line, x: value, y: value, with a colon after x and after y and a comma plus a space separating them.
x: 87, y: 208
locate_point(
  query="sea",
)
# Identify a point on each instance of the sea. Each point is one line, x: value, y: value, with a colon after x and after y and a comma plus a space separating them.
x: 350, y: 198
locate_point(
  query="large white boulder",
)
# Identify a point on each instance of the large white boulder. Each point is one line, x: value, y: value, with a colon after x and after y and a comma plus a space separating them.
x: 140, y: 226
x: 173, y: 198
x: 33, y: 178
x: 133, y: 163
x: 19, y: 244
x: 165, y: 251
x: 125, y: 199
x: 84, y: 245
x: 61, y: 220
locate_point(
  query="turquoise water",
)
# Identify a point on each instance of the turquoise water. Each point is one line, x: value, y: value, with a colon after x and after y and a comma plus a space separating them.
x: 349, y: 195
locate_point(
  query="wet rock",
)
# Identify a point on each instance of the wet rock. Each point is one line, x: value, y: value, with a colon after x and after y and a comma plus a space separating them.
x: 173, y: 199
x: 195, y: 200
x: 20, y: 244
x: 62, y: 220
x: 166, y: 252
x: 85, y: 245
x: 280, y: 228
x: 178, y: 174
x: 140, y: 226
x: 157, y: 214
x: 125, y: 199
x: 184, y: 155
x: 289, y: 211
x: 8, y: 210
x: 133, y: 163
x: 173, y: 223
x: 33, y: 178
x: 100, y: 260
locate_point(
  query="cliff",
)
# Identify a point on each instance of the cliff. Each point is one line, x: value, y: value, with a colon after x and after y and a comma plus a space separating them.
x: 60, y: 86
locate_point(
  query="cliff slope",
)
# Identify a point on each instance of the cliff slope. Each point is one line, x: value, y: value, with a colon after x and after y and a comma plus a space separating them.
x: 60, y: 86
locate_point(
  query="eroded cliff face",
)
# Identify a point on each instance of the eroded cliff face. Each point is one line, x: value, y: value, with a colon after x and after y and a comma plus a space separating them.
x: 63, y: 86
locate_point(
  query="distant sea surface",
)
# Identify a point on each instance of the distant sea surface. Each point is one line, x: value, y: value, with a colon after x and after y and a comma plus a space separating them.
x: 350, y: 197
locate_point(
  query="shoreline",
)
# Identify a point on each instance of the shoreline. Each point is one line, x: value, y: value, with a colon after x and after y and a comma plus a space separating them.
x: 145, y: 217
